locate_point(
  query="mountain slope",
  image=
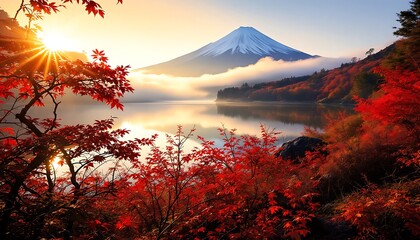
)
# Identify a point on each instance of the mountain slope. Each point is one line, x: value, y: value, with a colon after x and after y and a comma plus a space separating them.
x: 337, y: 85
x: 240, y: 48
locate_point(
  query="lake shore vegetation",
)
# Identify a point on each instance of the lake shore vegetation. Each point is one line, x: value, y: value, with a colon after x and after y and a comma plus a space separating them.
x: 363, y: 183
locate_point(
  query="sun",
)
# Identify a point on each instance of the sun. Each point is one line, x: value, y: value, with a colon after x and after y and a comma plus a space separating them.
x: 57, y: 162
x: 56, y: 41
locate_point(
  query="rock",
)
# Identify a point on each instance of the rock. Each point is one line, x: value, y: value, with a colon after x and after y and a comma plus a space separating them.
x: 323, y: 227
x: 297, y: 148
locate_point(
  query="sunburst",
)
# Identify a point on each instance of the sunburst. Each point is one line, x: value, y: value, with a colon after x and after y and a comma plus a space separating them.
x: 57, y: 162
x: 55, y: 41
x: 41, y: 55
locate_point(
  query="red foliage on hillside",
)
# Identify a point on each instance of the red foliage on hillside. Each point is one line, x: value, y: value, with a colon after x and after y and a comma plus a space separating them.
x: 364, y: 183
x: 338, y: 85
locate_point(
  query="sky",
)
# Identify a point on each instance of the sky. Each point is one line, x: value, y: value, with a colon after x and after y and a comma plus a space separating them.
x: 142, y: 33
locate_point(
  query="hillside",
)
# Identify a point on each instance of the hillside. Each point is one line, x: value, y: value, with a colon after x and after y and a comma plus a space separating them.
x: 242, y: 47
x: 333, y: 86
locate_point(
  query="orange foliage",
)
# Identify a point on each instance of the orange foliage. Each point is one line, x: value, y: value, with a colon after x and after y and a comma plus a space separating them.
x: 382, y: 212
x: 238, y: 191
x: 397, y: 107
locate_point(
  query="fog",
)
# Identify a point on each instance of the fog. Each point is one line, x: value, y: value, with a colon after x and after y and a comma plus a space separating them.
x: 152, y: 87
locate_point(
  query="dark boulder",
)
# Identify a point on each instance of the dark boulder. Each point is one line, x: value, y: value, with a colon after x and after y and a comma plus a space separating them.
x: 297, y: 148
x: 323, y: 227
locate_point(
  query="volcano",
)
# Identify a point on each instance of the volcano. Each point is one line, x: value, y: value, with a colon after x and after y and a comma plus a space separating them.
x: 242, y: 47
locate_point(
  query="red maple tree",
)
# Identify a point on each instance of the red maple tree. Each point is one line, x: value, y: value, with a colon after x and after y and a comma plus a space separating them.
x: 236, y: 191
x: 31, y: 192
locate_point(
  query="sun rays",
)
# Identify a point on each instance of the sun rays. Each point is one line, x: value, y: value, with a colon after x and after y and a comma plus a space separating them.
x: 34, y: 56
x: 55, y: 41
x: 39, y: 53
x: 41, y: 59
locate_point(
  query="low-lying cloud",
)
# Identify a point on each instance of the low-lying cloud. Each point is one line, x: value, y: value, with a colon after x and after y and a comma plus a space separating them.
x: 152, y: 87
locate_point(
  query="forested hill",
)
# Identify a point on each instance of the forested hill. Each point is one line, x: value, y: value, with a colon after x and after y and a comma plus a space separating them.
x: 333, y: 86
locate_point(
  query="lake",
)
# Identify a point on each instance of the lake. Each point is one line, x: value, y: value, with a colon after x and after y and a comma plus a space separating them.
x: 145, y: 119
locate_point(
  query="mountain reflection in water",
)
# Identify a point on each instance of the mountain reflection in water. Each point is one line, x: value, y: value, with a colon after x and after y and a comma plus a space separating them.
x: 311, y: 115
x: 145, y: 119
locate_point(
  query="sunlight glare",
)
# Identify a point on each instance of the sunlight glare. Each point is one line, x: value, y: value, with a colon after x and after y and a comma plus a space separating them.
x: 57, y: 162
x: 55, y: 41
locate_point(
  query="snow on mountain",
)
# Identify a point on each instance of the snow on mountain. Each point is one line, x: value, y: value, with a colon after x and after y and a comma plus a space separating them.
x: 246, y: 40
x: 242, y: 47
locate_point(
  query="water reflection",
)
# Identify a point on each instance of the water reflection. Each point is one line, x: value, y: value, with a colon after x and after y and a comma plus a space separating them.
x: 144, y: 119
x: 312, y: 115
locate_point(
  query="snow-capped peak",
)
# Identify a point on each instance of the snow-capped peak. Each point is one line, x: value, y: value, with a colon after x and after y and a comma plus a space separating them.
x: 246, y: 40
x: 242, y: 47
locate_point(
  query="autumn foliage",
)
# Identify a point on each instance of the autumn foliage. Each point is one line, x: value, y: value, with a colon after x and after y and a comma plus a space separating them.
x: 237, y: 191
x: 386, y: 213
x: 86, y: 182
x: 337, y: 85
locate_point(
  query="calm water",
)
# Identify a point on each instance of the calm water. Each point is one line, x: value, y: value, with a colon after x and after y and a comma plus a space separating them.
x: 145, y: 119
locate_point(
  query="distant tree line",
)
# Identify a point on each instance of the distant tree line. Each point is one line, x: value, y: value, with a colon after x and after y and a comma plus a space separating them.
x: 341, y: 85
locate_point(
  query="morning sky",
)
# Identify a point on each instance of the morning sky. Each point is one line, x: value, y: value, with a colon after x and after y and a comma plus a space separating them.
x: 142, y: 33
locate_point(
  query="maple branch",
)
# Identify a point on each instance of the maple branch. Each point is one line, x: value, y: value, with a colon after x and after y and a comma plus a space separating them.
x: 19, y: 9
x: 31, y: 190
x: 54, y: 112
x: 10, y: 200
x: 22, y: 115
x: 232, y: 149
x: 182, y: 214
x: 48, y: 174
x: 73, y: 173
x: 10, y: 110
x: 37, y: 96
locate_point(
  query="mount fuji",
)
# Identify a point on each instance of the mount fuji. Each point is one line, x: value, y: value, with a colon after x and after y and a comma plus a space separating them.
x: 242, y: 47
